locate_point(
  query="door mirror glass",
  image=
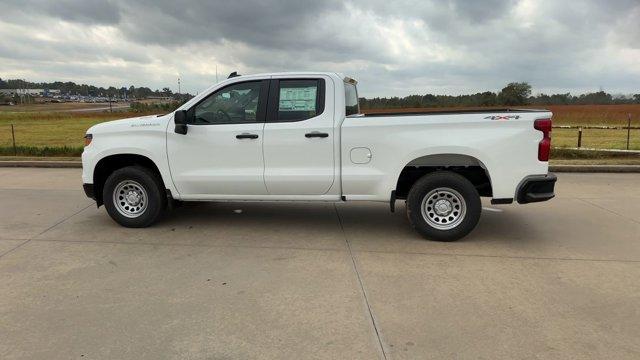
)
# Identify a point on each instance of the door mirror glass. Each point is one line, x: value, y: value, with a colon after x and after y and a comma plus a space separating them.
x: 180, y: 119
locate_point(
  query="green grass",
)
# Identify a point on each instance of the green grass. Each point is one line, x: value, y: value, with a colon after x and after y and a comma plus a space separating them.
x: 603, y: 161
x: 32, y: 132
x: 56, y: 131
x: 56, y: 151
x: 561, y: 153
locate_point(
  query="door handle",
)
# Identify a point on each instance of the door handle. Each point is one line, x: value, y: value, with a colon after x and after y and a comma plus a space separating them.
x: 246, y: 136
x: 316, y: 134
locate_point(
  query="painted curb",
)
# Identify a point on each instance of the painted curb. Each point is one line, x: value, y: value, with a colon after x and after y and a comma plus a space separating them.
x: 41, y: 164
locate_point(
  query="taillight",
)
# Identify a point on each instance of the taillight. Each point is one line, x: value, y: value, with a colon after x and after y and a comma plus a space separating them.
x: 544, y: 147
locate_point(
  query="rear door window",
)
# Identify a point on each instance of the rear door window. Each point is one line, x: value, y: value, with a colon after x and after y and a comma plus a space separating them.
x: 300, y: 99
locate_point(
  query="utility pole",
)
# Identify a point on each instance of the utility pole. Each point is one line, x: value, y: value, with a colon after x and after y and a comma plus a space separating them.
x: 178, y: 84
x: 216, y: 73
x: 13, y: 137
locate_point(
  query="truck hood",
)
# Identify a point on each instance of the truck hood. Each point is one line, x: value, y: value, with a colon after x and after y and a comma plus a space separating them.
x: 149, y: 122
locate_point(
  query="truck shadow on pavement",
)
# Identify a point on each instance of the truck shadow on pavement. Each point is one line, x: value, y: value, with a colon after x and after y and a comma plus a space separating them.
x: 295, y: 225
x: 365, y: 222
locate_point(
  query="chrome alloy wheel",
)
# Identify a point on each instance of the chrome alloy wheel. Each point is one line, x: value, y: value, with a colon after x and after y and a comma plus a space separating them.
x: 130, y: 198
x: 443, y: 208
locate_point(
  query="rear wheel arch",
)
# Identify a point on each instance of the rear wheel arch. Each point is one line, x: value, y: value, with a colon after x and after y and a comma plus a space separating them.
x: 467, y: 166
x: 107, y: 165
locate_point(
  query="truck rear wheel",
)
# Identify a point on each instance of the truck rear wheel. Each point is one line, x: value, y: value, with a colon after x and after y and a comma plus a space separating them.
x: 443, y: 206
x: 133, y: 196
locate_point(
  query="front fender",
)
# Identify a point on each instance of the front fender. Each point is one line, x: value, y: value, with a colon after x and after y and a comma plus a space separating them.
x: 154, y: 151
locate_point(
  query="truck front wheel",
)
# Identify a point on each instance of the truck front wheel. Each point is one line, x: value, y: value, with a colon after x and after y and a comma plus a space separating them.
x: 443, y: 206
x: 133, y: 196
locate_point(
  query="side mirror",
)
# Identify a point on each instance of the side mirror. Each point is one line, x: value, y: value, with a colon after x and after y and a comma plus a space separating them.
x: 180, y: 119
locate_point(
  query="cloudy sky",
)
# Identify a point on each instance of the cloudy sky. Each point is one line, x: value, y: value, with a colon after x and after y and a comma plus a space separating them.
x: 392, y: 47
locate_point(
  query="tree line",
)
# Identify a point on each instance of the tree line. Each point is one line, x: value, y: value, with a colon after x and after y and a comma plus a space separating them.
x: 514, y: 94
x: 71, y: 88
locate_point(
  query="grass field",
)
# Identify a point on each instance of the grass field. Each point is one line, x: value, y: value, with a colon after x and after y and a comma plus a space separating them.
x: 60, y: 127
x: 59, y: 133
x: 610, y: 115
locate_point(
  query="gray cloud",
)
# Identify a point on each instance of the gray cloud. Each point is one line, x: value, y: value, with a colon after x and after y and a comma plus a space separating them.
x: 82, y: 11
x: 87, y: 11
x: 277, y: 24
x: 394, y: 48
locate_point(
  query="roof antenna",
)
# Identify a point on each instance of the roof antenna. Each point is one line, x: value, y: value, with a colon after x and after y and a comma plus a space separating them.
x: 233, y: 74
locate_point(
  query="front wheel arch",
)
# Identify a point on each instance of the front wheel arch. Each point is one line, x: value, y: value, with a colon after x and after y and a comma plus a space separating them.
x: 107, y: 165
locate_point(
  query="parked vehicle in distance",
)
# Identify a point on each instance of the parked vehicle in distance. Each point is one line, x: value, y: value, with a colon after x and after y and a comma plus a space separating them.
x: 301, y: 137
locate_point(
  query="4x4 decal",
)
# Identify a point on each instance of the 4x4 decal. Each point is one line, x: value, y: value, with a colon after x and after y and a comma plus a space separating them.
x: 503, y: 117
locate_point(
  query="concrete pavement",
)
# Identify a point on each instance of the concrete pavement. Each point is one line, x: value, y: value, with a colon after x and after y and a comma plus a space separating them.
x: 350, y: 281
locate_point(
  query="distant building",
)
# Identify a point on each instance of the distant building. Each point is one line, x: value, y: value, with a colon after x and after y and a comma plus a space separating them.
x: 32, y: 92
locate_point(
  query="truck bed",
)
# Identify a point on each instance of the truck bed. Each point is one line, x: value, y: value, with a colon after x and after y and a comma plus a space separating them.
x: 501, y: 141
x: 453, y: 112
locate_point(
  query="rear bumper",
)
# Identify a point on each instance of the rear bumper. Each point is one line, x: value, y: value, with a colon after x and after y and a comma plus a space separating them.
x: 88, y: 190
x: 536, y: 188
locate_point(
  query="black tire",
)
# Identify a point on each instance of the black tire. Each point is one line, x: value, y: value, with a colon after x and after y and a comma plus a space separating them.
x: 156, y: 200
x: 464, y: 221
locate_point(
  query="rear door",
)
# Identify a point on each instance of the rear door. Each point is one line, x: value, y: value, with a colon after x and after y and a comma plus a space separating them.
x: 299, y: 136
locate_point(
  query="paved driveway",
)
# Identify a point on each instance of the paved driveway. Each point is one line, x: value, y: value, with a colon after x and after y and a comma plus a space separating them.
x: 303, y: 281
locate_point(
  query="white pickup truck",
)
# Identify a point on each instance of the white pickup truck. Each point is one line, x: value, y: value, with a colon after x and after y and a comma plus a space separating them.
x: 301, y: 137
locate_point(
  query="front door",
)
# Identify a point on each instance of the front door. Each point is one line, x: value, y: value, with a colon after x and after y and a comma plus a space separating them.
x: 221, y: 154
x: 299, y: 137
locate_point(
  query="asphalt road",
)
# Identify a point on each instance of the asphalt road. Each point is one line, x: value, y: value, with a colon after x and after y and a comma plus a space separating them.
x: 303, y: 281
x: 114, y: 106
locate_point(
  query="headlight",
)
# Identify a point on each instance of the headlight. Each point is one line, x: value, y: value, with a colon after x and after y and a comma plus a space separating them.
x: 87, y: 139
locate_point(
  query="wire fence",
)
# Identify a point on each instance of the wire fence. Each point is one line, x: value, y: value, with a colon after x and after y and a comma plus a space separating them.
x: 604, y: 137
x: 597, y: 137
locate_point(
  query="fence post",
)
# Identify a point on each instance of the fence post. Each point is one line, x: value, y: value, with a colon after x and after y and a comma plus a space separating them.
x: 579, y: 137
x: 13, y: 137
x: 628, y: 129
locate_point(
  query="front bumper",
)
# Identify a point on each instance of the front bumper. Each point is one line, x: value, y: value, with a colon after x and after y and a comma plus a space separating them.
x: 536, y: 188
